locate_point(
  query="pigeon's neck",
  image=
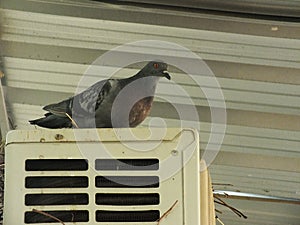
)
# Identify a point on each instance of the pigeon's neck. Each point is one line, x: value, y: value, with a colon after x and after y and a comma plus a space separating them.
x: 144, y: 79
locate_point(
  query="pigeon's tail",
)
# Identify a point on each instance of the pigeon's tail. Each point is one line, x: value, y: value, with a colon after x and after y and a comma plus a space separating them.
x: 52, y: 121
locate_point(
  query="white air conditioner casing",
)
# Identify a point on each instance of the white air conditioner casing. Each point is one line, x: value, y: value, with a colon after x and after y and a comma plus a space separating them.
x: 105, y: 176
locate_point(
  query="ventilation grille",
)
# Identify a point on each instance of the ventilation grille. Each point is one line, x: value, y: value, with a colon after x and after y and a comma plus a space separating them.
x: 52, y: 195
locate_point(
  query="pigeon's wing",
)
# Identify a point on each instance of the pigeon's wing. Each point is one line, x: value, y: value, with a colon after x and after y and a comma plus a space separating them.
x: 89, y: 100
x: 83, y: 103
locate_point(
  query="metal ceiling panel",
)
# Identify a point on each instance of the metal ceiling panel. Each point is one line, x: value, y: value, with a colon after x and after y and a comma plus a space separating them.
x: 290, y: 8
x: 62, y: 31
x: 165, y: 16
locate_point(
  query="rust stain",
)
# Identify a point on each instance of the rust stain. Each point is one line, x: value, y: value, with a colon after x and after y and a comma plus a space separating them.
x: 58, y: 137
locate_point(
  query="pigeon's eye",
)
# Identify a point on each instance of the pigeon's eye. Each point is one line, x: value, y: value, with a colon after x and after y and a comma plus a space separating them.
x: 155, y: 65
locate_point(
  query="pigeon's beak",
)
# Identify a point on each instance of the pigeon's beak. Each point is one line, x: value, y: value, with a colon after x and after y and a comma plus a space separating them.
x: 166, y: 74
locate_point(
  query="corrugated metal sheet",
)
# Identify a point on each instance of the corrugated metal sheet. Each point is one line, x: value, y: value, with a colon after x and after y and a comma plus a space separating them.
x: 46, y: 55
x: 239, y: 94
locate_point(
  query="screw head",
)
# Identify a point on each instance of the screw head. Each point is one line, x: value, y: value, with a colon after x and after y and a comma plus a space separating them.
x: 174, y: 152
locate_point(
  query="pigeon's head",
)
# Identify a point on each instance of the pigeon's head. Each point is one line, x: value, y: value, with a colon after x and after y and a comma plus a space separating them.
x: 156, y: 68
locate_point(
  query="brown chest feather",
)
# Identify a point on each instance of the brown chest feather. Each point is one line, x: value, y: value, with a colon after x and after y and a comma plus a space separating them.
x: 140, y: 111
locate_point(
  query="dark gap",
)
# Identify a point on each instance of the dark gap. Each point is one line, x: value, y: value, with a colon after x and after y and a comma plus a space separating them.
x: 65, y: 216
x: 56, y: 182
x: 127, y: 164
x: 56, y: 164
x: 127, y: 199
x: 127, y: 181
x: 56, y: 199
x: 127, y: 216
x: 242, y: 11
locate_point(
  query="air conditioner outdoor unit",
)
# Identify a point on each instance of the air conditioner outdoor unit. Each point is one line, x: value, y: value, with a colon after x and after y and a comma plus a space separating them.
x: 105, y: 176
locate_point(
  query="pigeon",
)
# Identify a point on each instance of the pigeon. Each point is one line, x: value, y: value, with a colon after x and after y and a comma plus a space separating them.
x: 108, y: 103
